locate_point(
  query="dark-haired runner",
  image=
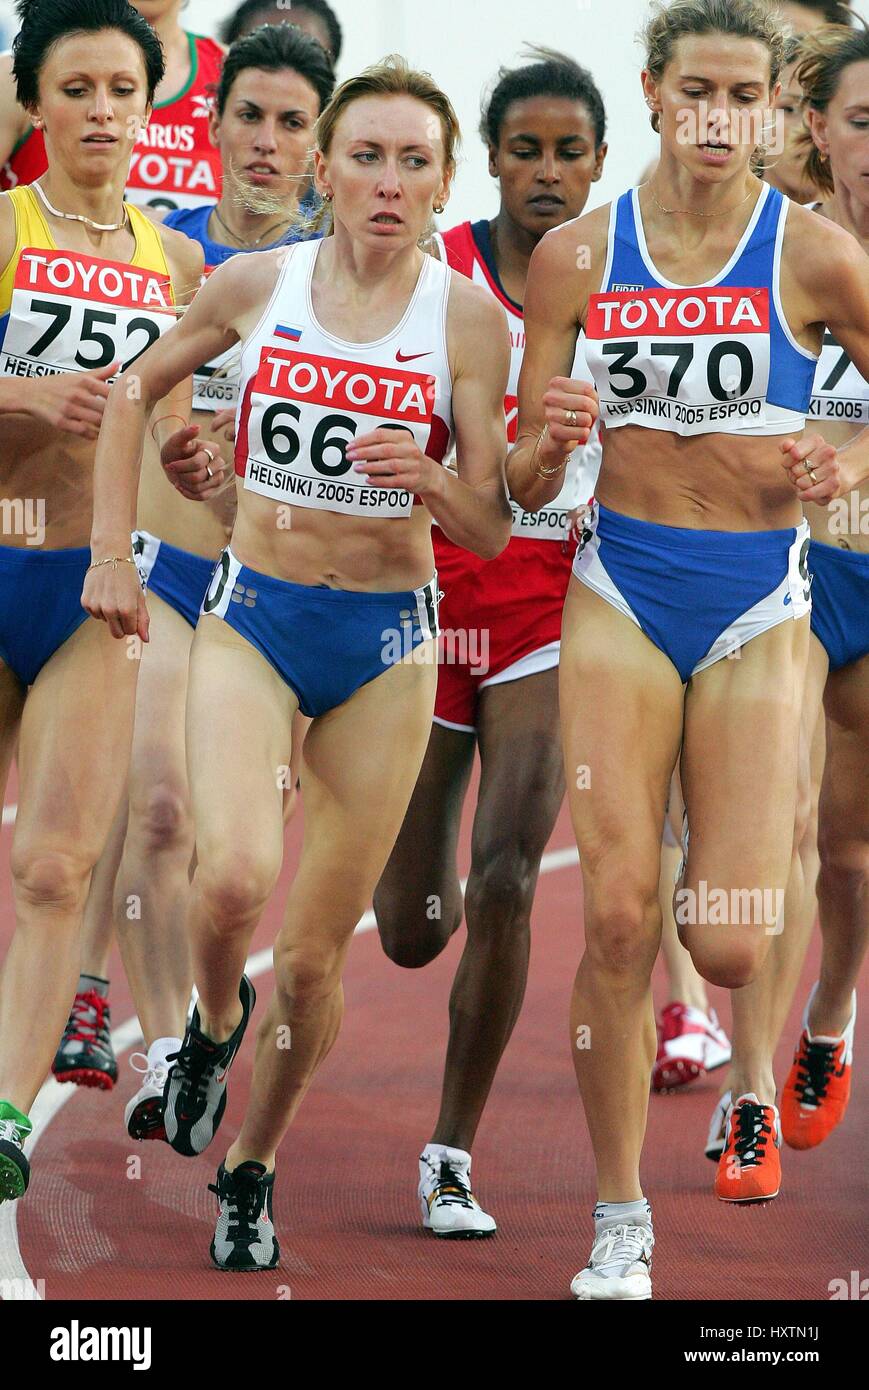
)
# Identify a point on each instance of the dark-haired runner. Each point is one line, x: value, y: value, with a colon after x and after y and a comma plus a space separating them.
x: 87, y: 283
x: 544, y: 128
x: 316, y: 17
x: 174, y: 164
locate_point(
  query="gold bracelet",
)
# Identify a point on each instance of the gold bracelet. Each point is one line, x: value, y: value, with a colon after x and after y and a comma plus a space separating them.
x: 546, y: 472
x: 167, y: 417
x: 113, y: 560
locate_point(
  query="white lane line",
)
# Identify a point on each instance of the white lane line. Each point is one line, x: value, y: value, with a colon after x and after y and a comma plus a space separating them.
x: 16, y: 1284
x: 9, y: 814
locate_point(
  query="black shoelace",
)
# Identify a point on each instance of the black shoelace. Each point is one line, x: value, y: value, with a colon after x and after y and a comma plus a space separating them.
x: 816, y: 1067
x: 193, y: 1065
x: 451, y: 1188
x: 244, y: 1201
x: 752, y: 1132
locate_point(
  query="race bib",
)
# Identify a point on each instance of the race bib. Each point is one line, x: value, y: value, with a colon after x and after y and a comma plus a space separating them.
x: 840, y: 392
x: 692, y: 361
x: 72, y: 313
x: 305, y: 410
x: 215, y: 386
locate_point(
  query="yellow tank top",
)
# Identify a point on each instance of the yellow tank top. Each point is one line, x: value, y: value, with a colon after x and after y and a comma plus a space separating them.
x: 68, y: 311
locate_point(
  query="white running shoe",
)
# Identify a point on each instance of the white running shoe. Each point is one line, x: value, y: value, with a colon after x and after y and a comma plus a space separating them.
x: 620, y: 1266
x: 691, y: 1043
x: 448, y: 1206
x: 143, y: 1115
x: 717, y: 1136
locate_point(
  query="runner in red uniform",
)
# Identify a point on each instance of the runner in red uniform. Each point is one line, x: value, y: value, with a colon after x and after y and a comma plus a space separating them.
x: 174, y: 164
x: 497, y: 684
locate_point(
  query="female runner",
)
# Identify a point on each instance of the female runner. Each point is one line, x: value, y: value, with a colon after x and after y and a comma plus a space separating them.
x: 174, y: 163
x: 315, y: 17
x: 272, y: 88
x: 334, y: 613
x: 544, y: 125
x: 87, y: 283
x: 702, y: 311
x: 834, y: 74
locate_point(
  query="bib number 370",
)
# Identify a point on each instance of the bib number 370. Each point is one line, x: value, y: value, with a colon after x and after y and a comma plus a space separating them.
x: 729, y: 368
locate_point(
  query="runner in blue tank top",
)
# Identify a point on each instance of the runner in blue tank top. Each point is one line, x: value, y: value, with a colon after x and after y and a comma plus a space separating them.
x: 273, y: 86
x: 703, y: 297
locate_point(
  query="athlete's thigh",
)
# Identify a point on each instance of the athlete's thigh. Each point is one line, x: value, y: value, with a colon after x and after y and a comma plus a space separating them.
x: 621, y: 716
x: 361, y: 763
x: 423, y: 859
x: 238, y: 737
x: 740, y: 759
x: 844, y: 805
x: 522, y: 767
x: 74, y: 746
x: 12, y: 696
x: 158, y: 735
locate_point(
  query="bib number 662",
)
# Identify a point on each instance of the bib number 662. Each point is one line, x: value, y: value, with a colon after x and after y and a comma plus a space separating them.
x: 328, y: 442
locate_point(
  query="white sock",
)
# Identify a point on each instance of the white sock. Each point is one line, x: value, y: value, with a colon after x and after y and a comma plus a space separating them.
x: 637, y: 1213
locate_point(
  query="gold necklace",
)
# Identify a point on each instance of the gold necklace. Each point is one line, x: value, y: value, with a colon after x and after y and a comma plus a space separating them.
x: 691, y: 212
x: 78, y: 217
x: 249, y: 245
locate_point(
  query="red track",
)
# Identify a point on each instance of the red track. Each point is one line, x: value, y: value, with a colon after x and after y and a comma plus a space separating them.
x: 345, y: 1206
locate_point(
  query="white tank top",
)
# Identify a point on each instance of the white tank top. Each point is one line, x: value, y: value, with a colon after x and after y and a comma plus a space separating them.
x: 305, y: 393
x: 460, y: 248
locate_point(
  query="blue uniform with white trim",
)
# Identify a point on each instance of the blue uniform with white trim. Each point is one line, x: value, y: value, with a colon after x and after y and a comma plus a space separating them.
x: 717, y: 358
x: 840, y: 596
x: 179, y: 577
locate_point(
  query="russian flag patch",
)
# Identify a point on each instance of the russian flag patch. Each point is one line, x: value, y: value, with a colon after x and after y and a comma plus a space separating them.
x: 282, y: 330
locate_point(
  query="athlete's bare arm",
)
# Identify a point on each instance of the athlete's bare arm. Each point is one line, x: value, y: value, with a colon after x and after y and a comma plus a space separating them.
x: 472, y: 509
x: 826, y: 279
x: 220, y: 314
x: 565, y: 267
x: 14, y: 120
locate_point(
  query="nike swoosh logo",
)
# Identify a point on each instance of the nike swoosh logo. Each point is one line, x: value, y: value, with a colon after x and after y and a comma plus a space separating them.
x: 410, y: 356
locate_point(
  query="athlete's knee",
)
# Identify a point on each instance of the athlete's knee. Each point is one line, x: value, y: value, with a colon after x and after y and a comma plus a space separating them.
x: 844, y: 856
x: 306, y: 973
x: 623, y: 931
x: 728, y: 957
x: 414, y: 926
x: 235, y: 887
x: 50, y: 879
x: 160, y: 818
x: 500, y: 890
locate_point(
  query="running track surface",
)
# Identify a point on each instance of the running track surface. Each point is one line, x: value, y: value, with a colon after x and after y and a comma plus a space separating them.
x: 345, y: 1198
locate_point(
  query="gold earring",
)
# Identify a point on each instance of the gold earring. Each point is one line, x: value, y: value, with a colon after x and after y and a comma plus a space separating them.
x: 327, y: 197
x: 438, y: 208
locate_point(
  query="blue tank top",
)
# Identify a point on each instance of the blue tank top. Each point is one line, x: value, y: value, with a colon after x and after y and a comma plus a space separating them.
x: 717, y: 358
x: 193, y: 222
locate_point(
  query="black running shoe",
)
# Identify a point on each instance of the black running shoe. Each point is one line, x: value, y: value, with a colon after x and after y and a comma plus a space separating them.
x: 195, y: 1096
x: 85, y: 1055
x: 244, y: 1238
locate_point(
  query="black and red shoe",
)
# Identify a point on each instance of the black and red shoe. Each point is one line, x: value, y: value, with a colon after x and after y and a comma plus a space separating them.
x: 85, y: 1055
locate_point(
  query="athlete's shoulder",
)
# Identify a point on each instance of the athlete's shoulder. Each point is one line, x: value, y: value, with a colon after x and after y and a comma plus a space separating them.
x: 472, y: 308
x: 574, y: 248
x: 185, y: 258
x: 818, y: 250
